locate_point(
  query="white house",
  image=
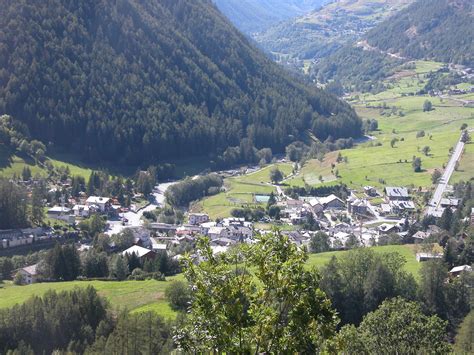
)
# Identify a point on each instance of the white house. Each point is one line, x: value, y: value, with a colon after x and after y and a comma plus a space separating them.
x: 140, y: 252
x: 397, y: 193
x: 218, y: 232
x: 102, y: 202
x: 28, y: 274
x: 81, y: 211
x: 158, y: 247
x: 427, y: 256
x: 316, y: 206
x: 58, y: 211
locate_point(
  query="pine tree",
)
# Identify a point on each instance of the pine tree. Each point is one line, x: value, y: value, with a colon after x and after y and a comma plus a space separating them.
x: 120, y: 268
x: 37, y: 209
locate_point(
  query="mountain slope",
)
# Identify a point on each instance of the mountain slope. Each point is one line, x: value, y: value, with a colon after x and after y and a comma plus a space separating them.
x: 132, y: 80
x: 442, y: 30
x: 257, y: 15
x: 322, y: 31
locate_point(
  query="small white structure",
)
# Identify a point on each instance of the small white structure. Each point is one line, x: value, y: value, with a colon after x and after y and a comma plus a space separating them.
x: 140, y: 252
x: 427, y: 256
x: 316, y: 206
x: 458, y: 270
x: 219, y: 249
x: 332, y: 202
x: 28, y: 274
x: 58, y: 210
x: 198, y: 218
x: 102, y: 202
x: 397, y: 193
x: 61, y: 213
x: 218, y: 232
x: 386, y: 228
x: 81, y: 211
x: 158, y: 247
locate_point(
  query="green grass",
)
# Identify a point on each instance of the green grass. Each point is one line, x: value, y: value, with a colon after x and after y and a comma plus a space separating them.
x: 407, y: 251
x: 12, y: 164
x: 137, y: 296
x: 371, y: 165
x: 149, y: 295
x: 240, y: 192
x: 465, y: 172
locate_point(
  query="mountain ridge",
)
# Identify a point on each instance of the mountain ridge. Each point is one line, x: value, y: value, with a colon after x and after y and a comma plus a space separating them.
x: 324, y: 30
x: 256, y: 15
x: 439, y: 30
x: 139, y: 81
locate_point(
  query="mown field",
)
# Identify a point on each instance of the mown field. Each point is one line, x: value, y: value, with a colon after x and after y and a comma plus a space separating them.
x: 400, y: 116
x: 240, y: 191
x: 465, y: 171
x: 135, y: 296
x: 12, y: 164
x: 140, y: 296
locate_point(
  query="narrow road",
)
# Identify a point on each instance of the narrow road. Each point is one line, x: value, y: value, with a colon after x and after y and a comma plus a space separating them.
x: 135, y: 218
x: 443, y: 182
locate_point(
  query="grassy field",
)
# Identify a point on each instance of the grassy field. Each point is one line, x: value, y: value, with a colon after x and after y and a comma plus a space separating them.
x: 407, y: 251
x: 240, y: 191
x: 400, y: 116
x: 142, y: 296
x: 11, y: 164
x: 136, y: 296
x: 465, y: 171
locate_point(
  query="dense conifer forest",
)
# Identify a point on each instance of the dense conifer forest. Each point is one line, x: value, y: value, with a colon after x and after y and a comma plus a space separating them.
x: 132, y: 81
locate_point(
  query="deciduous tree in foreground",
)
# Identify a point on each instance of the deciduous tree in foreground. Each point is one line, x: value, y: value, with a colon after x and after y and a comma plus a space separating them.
x: 396, y: 327
x: 259, y: 299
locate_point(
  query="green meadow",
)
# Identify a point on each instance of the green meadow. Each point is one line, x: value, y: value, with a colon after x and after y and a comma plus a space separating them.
x: 240, y: 191
x: 400, y: 116
x: 136, y: 296
x: 149, y: 295
x: 13, y: 164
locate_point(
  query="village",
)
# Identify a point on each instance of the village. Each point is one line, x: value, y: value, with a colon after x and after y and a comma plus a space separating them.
x: 362, y: 219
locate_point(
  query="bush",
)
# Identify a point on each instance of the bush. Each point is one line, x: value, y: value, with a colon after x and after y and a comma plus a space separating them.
x: 178, y: 294
x: 138, y: 275
x: 19, y: 279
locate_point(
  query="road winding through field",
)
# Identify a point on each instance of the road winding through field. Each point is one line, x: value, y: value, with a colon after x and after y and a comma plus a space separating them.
x: 444, y: 180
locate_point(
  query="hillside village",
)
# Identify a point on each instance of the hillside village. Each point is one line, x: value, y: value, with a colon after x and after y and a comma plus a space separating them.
x: 237, y: 177
x: 353, y: 219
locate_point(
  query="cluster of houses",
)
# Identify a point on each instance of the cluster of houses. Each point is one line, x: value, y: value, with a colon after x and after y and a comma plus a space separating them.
x: 340, y: 219
x: 84, y: 208
x: 366, y: 217
x: 224, y: 233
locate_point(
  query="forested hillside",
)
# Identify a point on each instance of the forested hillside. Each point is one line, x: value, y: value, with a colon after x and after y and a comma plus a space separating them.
x: 257, y: 15
x: 442, y: 30
x: 131, y: 81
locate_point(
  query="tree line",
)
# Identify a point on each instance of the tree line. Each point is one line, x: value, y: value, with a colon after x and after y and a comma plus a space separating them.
x: 80, y: 322
x: 191, y: 189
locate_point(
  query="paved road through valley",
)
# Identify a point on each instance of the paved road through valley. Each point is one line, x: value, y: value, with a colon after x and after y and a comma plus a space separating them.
x: 443, y: 182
